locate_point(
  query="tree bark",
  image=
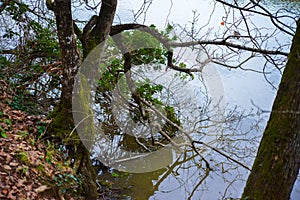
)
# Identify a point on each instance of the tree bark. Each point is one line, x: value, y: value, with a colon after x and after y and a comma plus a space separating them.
x: 63, y: 122
x: 277, y: 163
x: 101, y: 30
x: 63, y: 119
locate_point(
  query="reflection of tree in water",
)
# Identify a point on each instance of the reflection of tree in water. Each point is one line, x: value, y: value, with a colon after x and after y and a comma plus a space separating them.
x: 215, y: 145
x: 208, y: 131
x: 198, y: 161
x: 189, y: 175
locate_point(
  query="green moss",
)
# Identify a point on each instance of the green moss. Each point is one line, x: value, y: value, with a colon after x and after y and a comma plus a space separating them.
x: 23, y: 157
x: 82, y: 104
x: 41, y: 168
x: 23, y: 170
x: 23, y: 134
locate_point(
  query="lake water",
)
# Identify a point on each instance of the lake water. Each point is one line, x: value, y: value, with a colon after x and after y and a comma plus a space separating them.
x: 243, y: 90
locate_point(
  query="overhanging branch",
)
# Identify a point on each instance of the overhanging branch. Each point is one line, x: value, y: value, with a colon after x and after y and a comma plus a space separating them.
x: 168, y: 45
x: 228, y: 44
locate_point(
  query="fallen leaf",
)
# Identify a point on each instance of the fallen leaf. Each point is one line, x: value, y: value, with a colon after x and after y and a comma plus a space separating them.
x: 42, y: 188
x: 3, y: 154
x: 11, y: 196
x: 6, y: 167
x: 13, y: 164
x: 8, y: 158
x: 29, y: 123
x: 3, y: 173
x: 28, y: 187
x: 34, y: 170
x: 20, y: 182
x: 4, y: 191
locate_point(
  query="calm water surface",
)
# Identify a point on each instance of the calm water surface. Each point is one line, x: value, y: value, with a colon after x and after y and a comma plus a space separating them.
x: 185, y: 178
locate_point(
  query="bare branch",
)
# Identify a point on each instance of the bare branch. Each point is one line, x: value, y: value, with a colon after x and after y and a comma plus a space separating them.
x: 223, y: 154
x: 91, y: 23
x: 267, y: 14
x: 228, y: 44
x: 77, y: 31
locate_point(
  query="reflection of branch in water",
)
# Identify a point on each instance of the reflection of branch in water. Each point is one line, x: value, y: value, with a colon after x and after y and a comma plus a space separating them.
x: 192, y: 145
x: 170, y: 170
x: 229, y: 185
x: 191, y: 140
x: 199, y: 183
x: 275, y: 111
x: 223, y: 154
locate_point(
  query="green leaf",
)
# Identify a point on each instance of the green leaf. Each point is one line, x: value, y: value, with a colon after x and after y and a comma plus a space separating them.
x: 115, y: 174
x: 8, y: 121
x: 3, y: 134
x: 48, y: 160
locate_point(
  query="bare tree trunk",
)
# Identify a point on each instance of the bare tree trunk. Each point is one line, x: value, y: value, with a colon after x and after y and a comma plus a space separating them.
x: 63, y: 119
x: 278, y: 159
x: 70, y: 58
x: 63, y: 122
